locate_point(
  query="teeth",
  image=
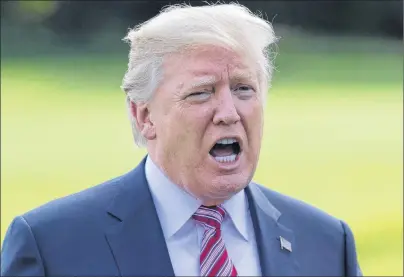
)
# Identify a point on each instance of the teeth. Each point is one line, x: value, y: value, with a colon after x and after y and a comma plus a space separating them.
x: 226, y: 159
x: 226, y: 141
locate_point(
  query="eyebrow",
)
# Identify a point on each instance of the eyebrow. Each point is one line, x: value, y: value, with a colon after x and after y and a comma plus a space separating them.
x: 242, y: 76
x: 203, y: 81
x: 208, y: 80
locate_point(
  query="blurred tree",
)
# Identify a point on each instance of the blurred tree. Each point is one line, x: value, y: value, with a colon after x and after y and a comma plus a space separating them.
x: 80, y: 21
x: 74, y: 18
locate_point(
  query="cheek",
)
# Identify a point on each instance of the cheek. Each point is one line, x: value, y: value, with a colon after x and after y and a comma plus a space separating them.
x: 253, y: 120
x: 196, y: 118
x: 252, y: 110
x: 259, y: 123
x: 187, y: 128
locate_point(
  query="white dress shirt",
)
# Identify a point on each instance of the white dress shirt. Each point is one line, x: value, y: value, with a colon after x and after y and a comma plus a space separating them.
x: 183, y: 235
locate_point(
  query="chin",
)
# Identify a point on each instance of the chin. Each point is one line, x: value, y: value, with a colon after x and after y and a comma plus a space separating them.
x: 229, y: 184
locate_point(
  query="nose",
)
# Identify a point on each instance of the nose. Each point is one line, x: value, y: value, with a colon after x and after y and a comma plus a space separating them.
x: 226, y: 112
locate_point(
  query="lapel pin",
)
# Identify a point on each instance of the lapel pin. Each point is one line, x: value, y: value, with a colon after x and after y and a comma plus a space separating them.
x: 285, y: 244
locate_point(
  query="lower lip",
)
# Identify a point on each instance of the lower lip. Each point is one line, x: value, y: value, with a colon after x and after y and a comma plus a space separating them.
x: 227, y: 165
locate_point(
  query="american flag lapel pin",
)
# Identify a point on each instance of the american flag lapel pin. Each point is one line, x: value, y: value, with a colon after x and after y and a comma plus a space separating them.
x: 285, y: 244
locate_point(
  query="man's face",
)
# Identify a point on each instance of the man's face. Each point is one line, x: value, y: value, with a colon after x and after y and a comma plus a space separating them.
x: 207, y: 118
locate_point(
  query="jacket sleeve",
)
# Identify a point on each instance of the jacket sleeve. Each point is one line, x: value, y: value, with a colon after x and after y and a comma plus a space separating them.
x: 352, y: 267
x: 19, y: 254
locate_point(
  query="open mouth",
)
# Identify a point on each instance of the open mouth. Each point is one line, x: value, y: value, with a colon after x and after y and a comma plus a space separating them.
x: 226, y: 150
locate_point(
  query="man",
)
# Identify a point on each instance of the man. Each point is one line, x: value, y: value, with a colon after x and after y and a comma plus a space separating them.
x: 195, y: 86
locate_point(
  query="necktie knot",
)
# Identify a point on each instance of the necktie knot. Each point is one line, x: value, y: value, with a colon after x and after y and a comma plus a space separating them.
x: 210, y: 217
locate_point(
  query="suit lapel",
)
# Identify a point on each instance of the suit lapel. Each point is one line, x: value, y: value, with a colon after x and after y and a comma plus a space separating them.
x: 136, y: 238
x: 274, y: 260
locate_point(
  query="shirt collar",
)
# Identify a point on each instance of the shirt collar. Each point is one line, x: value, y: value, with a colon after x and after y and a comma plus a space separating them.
x: 237, y: 209
x: 175, y: 206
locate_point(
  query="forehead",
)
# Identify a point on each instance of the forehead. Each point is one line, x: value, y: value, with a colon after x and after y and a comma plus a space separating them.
x: 209, y: 60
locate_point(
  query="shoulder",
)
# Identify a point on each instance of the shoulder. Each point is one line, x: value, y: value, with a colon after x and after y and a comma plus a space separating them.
x: 295, y: 212
x: 87, y: 203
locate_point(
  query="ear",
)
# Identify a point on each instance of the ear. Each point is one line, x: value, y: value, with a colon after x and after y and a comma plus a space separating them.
x: 141, y: 113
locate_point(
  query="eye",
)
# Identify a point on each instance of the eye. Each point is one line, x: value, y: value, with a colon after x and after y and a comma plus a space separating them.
x: 244, y: 91
x: 245, y: 88
x: 200, y: 95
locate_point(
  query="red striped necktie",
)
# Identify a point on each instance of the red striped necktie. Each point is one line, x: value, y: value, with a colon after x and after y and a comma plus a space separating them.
x: 214, y: 260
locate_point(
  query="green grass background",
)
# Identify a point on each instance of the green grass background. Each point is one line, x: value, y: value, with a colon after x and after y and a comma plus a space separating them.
x: 333, y: 135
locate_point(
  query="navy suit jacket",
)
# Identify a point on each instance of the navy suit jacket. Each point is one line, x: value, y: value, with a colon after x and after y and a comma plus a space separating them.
x: 113, y: 230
